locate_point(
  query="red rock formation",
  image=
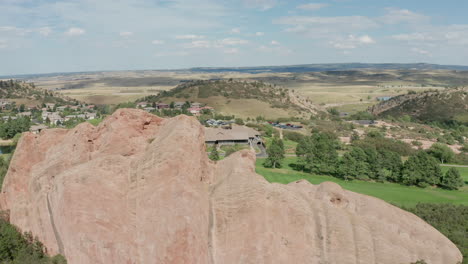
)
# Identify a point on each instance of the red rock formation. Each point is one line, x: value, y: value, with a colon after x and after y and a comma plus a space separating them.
x: 140, y: 189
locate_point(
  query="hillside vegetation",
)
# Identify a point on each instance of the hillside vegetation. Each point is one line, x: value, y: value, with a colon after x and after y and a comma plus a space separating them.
x: 446, y: 106
x: 235, y: 96
x: 29, y: 94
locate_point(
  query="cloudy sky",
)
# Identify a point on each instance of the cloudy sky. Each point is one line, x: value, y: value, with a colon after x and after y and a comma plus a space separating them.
x: 43, y: 36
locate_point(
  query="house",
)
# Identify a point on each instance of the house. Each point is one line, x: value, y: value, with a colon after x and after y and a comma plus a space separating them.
x: 149, y: 109
x: 6, y: 118
x: 61, y: 108
x: 91, y: 106
x: 142, y: 104
x: 54, y: 117
x: 24, y: 114
x: 195, y: 105
x: 194, y: 110
x: 4, y: 103
x: 50, y: 105
x: 162, y: 106
x: 179, y: 105
x: 91, y: 116
x: 234, y: 135
x: 36, y: 129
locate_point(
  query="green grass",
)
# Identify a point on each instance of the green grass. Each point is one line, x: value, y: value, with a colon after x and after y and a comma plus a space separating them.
x: 393, y: 193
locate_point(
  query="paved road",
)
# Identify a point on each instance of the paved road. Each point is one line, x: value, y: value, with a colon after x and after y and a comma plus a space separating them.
x: 262, y: 153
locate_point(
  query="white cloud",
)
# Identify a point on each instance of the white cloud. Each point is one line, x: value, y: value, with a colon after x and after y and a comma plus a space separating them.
x: 157, y: 42
x: 312, y: 6
x: 352, y: 42
x: 275, y: 49
x: 397, y: 16
x: 421, y: 51
x: 198, y: 44
x: 433, y: 35
x: 75, y: 32
x: 259, y: 34
x: 233, y: 42
x: 319, y: 27
x: 126, y: 34
x: 190, y: 37
x: 231, y: 51
x: 235, y: 31
x: 274, y: 42
x: 44, y: 31
x: 260, y: 4
x: 172, y: 54
x: 365, y: 40
x: 3, y: 44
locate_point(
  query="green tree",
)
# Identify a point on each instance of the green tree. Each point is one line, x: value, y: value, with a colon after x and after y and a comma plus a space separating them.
x: 214, y: 155
x: 421, y: 170
x: 452, y: 179
x: 354, y: 165
x: 275, y: 151
x: 441, y: 152
x: 318, y: 153
x: 239, y: 121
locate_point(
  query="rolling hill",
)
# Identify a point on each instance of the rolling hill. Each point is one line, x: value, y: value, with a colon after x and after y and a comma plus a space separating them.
x: 450, y: 105
x: 240, y: 98
x: 27, y: 93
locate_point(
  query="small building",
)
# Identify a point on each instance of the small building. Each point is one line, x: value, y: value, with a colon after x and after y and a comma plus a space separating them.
x: 4, y: 103
x: 142, y: 104
x: 25, y: 114
x: 195, y: 105
x: 50, y: 105
x: 162, y: 106
x: 91, y: 116
x: 91, y: 106
x: 179, y: 105
x: 231, y: 136
x: 61, y: 108
x: 36, y: 129
x: 149, y: 109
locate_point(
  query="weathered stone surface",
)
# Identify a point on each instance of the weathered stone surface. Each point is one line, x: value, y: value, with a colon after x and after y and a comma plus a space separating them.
x: 140, y: 189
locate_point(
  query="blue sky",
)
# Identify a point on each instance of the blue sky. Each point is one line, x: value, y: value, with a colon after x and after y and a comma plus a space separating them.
x: 42, y: 36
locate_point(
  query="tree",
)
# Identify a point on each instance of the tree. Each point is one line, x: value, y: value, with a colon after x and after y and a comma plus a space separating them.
x: 421, y: 170
x: 239, y: 121
x: 214, y: 155
x: 275, y: 152
x: 354, y: 165
x: 318, y: 154
x: 441, y: 152
x: 452, y: 179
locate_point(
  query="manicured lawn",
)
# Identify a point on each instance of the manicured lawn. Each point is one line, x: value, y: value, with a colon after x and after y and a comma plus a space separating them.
x: 393, y: 193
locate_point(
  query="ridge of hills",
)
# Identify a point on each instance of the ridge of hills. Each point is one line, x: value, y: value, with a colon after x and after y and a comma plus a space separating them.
x: 28, y: 93
x: 450, y: 105
x: 234, y: 96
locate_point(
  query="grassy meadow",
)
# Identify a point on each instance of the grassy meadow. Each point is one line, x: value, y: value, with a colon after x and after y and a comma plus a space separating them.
x: 393, y: 193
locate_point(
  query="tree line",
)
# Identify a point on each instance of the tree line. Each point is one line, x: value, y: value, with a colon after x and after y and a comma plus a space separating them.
x: 376, y: 160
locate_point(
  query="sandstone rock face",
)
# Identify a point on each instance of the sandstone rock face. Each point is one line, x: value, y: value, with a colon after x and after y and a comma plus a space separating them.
x: 140, y: 189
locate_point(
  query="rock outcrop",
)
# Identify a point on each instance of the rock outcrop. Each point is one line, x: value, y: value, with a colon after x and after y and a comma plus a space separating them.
x: 140, y: 189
